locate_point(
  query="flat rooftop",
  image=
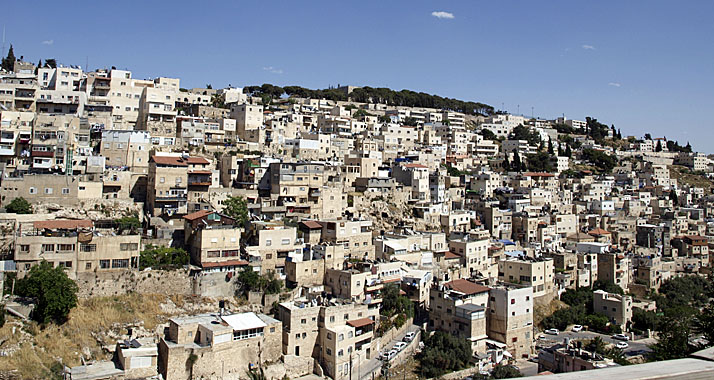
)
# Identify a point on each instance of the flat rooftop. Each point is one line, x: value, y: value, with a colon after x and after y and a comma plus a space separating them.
x: 684, y: 369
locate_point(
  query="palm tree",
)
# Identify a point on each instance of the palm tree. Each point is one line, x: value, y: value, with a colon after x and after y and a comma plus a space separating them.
x: 254, y: 374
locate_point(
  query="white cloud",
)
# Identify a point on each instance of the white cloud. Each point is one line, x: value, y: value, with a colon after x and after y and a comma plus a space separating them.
x: 273, y: 70
x: 614, y: 84
x: 442, y: 14
x: 588, y: 47
x: 48, y: 42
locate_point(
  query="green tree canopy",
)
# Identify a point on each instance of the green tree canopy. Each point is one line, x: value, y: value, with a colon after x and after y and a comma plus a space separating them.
x: 443, y: 353
x: 19, y: 206
x: 8, y: 63
x: 56, y: 293
x: 236, y: 207
x: 163, y: 257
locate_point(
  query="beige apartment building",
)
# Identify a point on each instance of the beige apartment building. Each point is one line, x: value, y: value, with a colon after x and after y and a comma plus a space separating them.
x: 474, y: 255
x: 355, y: 235
x: 459, y: 308
x: 157, y: 115
x: 248, y: 117
x: 615, y: 268
x: 510, y: 318
x: 126, y: 150
x: 76, y: 245
x: 169, y: 179
x: 270, y: 244
x: 617, y: 308
x: 213, y: 240
x: 15, y: 139
x: 535, y: 272
x: 222, y: 346
x: 335, y: 334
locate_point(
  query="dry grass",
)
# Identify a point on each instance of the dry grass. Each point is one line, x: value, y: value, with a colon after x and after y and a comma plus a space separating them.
x: 65, y: 343
x: 685, y: 177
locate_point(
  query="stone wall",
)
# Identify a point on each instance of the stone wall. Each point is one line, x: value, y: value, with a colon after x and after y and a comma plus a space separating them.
x: 178, y: 281
x: 148, y: 282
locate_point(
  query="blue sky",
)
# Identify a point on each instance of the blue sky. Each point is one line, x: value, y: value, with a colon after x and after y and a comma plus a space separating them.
x: 645, y: 66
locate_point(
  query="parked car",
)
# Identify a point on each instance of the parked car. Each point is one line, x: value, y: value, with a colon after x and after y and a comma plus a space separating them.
x: 577, y: 328
x: 620, y: 337
x: 399, y: 346
x: 552, y: 331
x: 383, y: 355
x: 391, y: 354
x: 622, y: 345
x: 409, y: 337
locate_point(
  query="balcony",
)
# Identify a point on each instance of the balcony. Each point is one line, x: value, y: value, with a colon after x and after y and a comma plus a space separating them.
x: 6, y: 150
x: 42, y: 153
x: 7, y: 137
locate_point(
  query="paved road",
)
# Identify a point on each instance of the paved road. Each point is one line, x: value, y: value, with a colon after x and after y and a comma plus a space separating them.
x: 635, y: 346
x: 364, y: 370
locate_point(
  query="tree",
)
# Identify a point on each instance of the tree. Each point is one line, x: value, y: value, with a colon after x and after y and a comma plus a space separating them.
x: 648, y: 136
x: 539, y: 162
x: 603, y: 161
x: 384, y: 119
x: 394, y: 303
x: 443, y: 353
x: 608, y: 286
x: 658, y: 148
x: 568, y: 151
x: 163, y: 257
x: 237, y: 208
x: 550, y: 148
x: 8, y: 63
x: 56, y: 293
x: 19, y: 206
x: 673, y: 342
x: 488, y: 134
x: 505, y: 372
x: 128, y: 223
x: 516, y: 165
x: 410, y: 121
x: 51, y: 63
x: 209, y: 87
x: 704, y: 323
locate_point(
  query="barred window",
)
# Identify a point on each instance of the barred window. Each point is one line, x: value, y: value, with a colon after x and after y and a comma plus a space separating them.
x: 120, y: 263
x: 88, y: 247
x: 104, y: 264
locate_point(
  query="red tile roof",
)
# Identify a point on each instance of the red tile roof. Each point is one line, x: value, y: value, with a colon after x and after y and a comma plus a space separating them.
x: 450, y: 255
x: 466, y: 286
x: 198, y: 160
x: 65, y: 224
x: 360, y: 322
x: 168, y: 160
x: 420, y: 166
x: 599, y: 231
x: 534, y: 174
x: 197, y: 215
x: 228, y: 263
x: 311, y: 224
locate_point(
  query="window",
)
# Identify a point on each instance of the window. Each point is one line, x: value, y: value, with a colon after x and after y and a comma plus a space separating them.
x: 285, y: 242
x: 340, y: 353
x: 329, y: 351
x: 128, y: 246
x: 268, y: 242
x: 48, y: 248
x: 332, y: 319
x: 303, y: 321
x: 88, y: 247
x: 88, y: 266
x: 33, y: 190
x: 346, y: 316
x: 513, y: 300
x: 213, y: 253
x: 24, y: 248
x: 120, y: 263
x: 65, y: 247
x: 514, y: 340
x: 341, y: 337
x: 65, y: 191
x: 48, y: 190
x: 104, y: 264
x: 329, y: 335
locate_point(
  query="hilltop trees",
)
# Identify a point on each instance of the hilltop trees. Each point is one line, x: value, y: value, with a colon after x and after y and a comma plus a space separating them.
x: 388, y: 96
x: 8, y: 63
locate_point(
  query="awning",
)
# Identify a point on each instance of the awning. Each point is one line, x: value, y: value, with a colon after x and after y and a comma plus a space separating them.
x: 244, y: 321
x: 360, y: 322
x: 229, y: 263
